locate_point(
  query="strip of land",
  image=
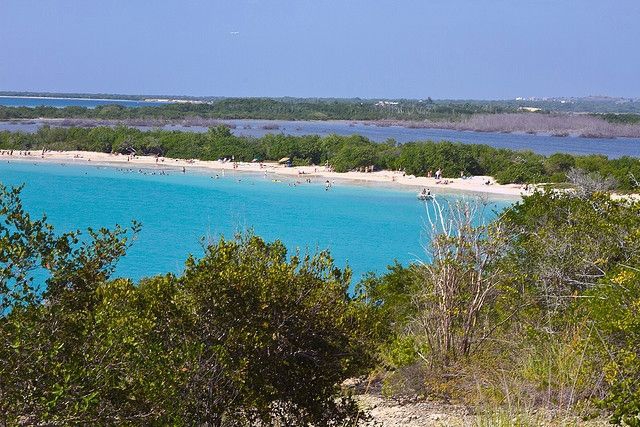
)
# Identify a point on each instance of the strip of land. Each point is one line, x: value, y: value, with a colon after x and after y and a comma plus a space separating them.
x: 473, y: 185
x: 556, y: 124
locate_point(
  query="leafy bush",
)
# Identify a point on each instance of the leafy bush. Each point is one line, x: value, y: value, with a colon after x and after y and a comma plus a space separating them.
x: 522, y: 170
x: 561, y: 313
x: 246, y: 335
x: 613, y: 308
x: 559, y: 163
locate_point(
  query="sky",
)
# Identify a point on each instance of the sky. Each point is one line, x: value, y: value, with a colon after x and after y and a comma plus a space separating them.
x: 454, y: 49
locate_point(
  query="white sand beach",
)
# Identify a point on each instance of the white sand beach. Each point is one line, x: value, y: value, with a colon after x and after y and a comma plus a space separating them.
x: 476, y: 184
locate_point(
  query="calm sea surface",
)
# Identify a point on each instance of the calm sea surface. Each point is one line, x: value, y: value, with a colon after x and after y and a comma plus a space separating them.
x: 25, y: 101
x: 542, y: 144
x: 365, y: 227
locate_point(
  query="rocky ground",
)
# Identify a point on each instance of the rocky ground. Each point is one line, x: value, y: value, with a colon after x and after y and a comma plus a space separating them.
x: 390, y: 413
x: 387, y: 413
x: 413, y: 412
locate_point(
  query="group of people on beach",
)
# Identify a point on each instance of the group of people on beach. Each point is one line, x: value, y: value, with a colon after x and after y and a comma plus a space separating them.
x: 438, y: 174
x: 438, y: 177
x: 10, y: 153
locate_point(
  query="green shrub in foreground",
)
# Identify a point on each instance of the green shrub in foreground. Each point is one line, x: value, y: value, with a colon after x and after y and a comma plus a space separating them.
x: 246, y: 335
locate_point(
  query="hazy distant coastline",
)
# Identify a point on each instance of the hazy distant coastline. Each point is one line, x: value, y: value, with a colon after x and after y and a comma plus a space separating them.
x: 592, y: 117
x: 69, y: 98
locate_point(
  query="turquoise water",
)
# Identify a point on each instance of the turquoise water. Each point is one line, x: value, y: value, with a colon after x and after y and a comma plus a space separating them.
x: 366, y: 228
x: 26, y: 101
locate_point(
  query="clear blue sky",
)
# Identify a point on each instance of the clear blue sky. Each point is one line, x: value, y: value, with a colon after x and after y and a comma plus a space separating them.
x: 486, y: 49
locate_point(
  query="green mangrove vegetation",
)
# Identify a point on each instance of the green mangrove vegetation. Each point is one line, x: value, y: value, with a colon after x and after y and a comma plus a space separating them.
x: 536, y: 311
x: 290, y: 108
x: 342, y: 153
x: 627, y: 118
x: 272, y: 109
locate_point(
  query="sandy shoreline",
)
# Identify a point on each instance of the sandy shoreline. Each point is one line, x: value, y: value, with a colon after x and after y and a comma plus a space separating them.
x: 475, y: 185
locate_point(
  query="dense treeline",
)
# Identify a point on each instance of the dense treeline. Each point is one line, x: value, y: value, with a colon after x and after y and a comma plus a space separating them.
x: 267, y: 108
x: 536, y: 311
x: 598, y: 105
x: 622, y: 118
x: 490, y: 116
x: 343, y: 153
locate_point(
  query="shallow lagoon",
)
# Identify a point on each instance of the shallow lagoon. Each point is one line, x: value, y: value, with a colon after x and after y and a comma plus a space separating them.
x: 364, y: 227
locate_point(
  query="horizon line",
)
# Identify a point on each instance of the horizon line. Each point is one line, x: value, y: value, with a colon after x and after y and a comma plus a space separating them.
x: 128, y: 97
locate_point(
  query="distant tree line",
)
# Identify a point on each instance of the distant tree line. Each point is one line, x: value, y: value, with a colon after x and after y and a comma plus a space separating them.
x: 268, y: 108
x: 486, y: 116
x: 598, y: 105
x: 622, y: 118
x: 342, y: 153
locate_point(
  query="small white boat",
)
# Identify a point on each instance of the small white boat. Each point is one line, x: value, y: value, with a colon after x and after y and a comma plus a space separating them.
x: 425, y: 196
